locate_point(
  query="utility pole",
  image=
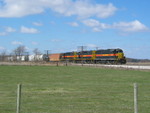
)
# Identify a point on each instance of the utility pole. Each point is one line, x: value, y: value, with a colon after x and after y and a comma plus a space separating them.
x: 47, y: 54
x: 81, y: 48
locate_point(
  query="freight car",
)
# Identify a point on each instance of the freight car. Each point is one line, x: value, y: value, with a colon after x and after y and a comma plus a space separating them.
x: 107, y: 56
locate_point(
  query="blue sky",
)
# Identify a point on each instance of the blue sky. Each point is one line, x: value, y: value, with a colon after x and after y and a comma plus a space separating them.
x: 64, y: 25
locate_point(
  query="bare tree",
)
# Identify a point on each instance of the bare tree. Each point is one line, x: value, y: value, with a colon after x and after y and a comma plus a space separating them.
x: 19, y: 52
x: 3, y: 56
x: 37, y: 52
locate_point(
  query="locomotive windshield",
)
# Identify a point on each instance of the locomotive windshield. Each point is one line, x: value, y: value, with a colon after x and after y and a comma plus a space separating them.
x: 118, y: 51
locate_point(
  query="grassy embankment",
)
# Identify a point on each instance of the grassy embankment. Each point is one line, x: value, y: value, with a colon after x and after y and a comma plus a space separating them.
x: 49, y: 89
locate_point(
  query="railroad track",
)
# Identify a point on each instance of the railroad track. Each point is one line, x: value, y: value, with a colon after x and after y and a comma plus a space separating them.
x: 138, y: 67
x: 129, y: 66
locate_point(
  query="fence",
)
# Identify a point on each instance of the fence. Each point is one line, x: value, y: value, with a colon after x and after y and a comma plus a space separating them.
x: 97, y: 98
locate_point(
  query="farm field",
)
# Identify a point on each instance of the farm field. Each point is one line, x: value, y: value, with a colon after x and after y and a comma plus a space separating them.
x: 73, y: 89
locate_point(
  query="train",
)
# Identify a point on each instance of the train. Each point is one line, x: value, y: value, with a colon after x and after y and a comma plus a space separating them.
x: 102, y: 56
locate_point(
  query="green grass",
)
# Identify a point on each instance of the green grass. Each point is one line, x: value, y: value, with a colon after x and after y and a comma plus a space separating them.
x: 49, y: 89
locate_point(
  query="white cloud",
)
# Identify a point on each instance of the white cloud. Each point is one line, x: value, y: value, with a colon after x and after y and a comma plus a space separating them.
x: 96, y: 25
x: 96, y: 29
x: 37, y: 23
x: 13, y: 8
x: 16, y: 43
x: 52, y: 22
x: 2, y: 48
x: 134, y: 26
x: 74, y: 24
x: 3, y: 33
x: 91, y: 23
x: 92, y: 45
x: 28, y: 30
x: 10, y: 29
x: 56, y: 40
x: 80, y: 8
x: 34, y: 43
x: 83, y: 8
x: 7, y: 30
x: 123, y: 27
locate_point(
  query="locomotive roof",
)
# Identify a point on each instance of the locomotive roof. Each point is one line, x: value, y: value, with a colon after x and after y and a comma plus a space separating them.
x: 109, y: 49
x: 96, y: 50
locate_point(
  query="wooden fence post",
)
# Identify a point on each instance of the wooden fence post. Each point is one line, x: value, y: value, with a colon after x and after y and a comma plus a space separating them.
x: 18, y: 98
x: 135, y: 98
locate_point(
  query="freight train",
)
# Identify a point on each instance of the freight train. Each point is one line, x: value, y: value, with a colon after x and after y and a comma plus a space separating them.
x: 107, y: 56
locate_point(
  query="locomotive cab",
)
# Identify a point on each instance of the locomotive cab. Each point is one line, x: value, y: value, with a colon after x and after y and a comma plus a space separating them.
x: 120, y: 56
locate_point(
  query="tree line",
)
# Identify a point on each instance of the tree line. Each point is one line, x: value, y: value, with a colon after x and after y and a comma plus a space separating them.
x: 18, y: 53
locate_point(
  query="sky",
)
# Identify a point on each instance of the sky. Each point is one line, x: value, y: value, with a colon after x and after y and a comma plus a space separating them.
x: 65, y: 25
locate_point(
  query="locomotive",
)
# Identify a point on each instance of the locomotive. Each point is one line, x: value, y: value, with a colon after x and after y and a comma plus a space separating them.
x: 107, y: 56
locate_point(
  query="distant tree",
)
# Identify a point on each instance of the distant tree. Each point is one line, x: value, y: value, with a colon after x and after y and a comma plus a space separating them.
x: 19, y: 52
x: 3, y: 55
x: 37, y: 52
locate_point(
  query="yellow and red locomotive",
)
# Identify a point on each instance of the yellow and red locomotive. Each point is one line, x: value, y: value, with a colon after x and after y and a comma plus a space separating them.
x: 111, y: 56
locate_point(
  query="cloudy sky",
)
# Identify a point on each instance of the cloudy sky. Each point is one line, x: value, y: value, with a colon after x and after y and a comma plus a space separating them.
x: 64, y: 25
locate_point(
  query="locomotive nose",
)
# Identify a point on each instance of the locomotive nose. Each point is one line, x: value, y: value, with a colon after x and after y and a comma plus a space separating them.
x: 120, y: 55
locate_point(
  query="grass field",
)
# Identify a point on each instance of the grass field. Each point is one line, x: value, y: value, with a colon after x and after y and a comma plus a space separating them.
x: 71, y: 89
